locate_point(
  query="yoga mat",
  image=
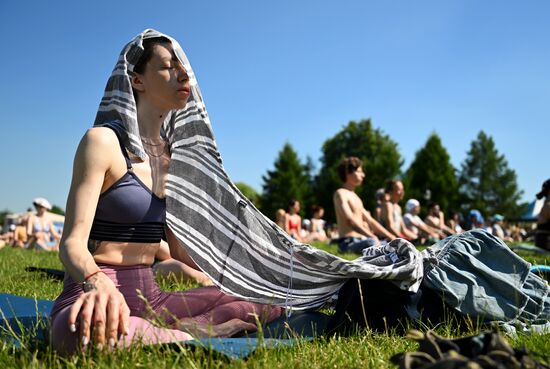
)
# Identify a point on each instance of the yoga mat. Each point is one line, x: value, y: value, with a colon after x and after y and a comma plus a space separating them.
x: 530, y: 248
x: 540, y: 269
x: 240, y: 348
x: 21, y: 316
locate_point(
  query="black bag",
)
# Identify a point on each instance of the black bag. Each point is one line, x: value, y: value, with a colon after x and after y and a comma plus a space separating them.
x: 382, y: 306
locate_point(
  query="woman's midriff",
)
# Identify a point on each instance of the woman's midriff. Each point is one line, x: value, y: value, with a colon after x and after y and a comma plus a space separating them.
x: 125, y: 253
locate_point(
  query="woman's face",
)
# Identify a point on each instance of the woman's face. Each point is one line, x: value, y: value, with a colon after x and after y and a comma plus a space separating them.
x: 398, y: 191
x: 434, y: 210
x: 39, y: 209
x: 164, y: 82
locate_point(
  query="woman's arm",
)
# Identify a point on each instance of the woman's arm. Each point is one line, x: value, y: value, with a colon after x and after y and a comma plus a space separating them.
x: 30, y: 221
x: 103, y: 308
x: 91, y: 163
x: 56, y: 234
x: 175, y: 260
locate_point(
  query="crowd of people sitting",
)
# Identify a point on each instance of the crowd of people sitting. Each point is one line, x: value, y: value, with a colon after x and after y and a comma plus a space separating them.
x: 34, y: 230
x: 356, y: 229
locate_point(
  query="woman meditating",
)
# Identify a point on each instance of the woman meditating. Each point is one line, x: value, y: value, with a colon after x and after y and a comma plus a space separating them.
x: 116, y: 217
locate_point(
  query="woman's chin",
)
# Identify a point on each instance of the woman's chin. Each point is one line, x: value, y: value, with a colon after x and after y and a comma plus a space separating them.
x: 181, y: 104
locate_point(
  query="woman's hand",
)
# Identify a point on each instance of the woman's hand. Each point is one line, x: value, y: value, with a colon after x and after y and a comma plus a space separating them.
x: 103, y: 313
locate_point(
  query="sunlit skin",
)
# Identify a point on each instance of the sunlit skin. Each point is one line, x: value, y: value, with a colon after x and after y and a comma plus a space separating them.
x: 436, y: 219
x: 352, y: 217
x: 427, y: 229
x: 388, y: 209
x: 163, y: 86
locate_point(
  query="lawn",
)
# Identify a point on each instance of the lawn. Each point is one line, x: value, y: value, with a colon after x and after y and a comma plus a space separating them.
x: 362, y: 350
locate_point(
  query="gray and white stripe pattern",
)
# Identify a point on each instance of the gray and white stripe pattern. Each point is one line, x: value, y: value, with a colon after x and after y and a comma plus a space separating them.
x: 244, y: 252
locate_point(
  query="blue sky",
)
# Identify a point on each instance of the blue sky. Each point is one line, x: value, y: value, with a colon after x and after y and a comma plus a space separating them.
x: 293, y: 71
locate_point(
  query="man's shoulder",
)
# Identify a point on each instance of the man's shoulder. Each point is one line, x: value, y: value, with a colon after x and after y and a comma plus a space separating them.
x: 342, y: 193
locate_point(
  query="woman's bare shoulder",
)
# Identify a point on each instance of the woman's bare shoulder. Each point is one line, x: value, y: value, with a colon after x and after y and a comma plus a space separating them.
x: 96, y: 147
x: 100, y: 136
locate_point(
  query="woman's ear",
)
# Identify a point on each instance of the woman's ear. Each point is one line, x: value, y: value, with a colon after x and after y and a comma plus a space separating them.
x: 137, y: 82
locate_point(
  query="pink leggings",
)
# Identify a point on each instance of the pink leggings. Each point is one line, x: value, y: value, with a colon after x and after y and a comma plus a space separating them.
x: 147, y: 302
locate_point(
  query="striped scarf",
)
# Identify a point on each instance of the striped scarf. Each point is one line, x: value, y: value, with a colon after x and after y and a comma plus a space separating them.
x: 240, y: 249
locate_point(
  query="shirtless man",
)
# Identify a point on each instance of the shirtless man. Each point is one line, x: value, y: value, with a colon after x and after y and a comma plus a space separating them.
x: 392, y: 215
x: 356, y: 227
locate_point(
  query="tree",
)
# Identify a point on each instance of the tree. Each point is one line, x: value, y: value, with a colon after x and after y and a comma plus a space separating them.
x: 3, y: 215
x: 57, y: 210
x: 249, y: 192
x: 379, y: 153
x: 486, y: 182
x: 432, y: 170
x: 288, y: 180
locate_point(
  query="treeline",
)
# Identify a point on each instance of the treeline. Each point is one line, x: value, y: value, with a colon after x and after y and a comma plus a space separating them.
x: 484, y: 181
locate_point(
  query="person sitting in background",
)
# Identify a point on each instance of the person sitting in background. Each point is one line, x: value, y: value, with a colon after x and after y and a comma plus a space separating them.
x: 7, y: 238
x: 424, y: 233
x: 380, y: 197
x: 498, y: 228
x: 391, y: 215
x: 517, y: 233
x: 20, y: 234
x: 280, y: 217
x: 40, y: 228
x: 356, y: 227
x: 317, y: 225
x: 293, y: 221
x: 475, y: 219
x: 436, y: 219
x: 455, y: 221
x: 542, y: 233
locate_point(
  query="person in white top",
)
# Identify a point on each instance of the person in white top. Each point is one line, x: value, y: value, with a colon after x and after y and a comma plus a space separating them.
x: 414, y: 224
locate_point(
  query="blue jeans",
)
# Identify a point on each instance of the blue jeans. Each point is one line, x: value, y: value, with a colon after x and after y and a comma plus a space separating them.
x: 476, y: 273
x: 355, y: 244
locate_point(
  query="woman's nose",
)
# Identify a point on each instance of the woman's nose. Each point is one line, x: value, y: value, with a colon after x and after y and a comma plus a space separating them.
x: 182, y: 73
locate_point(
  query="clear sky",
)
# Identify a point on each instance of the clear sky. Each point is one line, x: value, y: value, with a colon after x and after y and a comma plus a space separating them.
x: 280, y: 71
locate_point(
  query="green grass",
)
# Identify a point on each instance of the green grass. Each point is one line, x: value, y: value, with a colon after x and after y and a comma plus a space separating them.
x: 365, y: 349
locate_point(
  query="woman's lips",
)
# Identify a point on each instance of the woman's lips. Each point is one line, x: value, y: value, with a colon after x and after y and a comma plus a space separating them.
x: 184, y: 91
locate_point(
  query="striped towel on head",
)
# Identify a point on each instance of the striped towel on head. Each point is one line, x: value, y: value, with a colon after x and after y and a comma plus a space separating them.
x: 240, y: 249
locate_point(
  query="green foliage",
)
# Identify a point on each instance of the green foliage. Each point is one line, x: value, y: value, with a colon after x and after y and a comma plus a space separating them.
x: 57, y: 210
x: 432, y: 170
x: 486, y: 182
x: 3, y: 215
x: 380, y: 156
x: 249, y: 192
x: 288, y: 180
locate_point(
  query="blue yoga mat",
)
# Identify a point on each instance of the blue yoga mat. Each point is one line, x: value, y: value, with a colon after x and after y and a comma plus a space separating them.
x: 27, y: 316
x: 22, y: 316
x: 240, y: 348
x: 540, y: 269
x: 530, y: 248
